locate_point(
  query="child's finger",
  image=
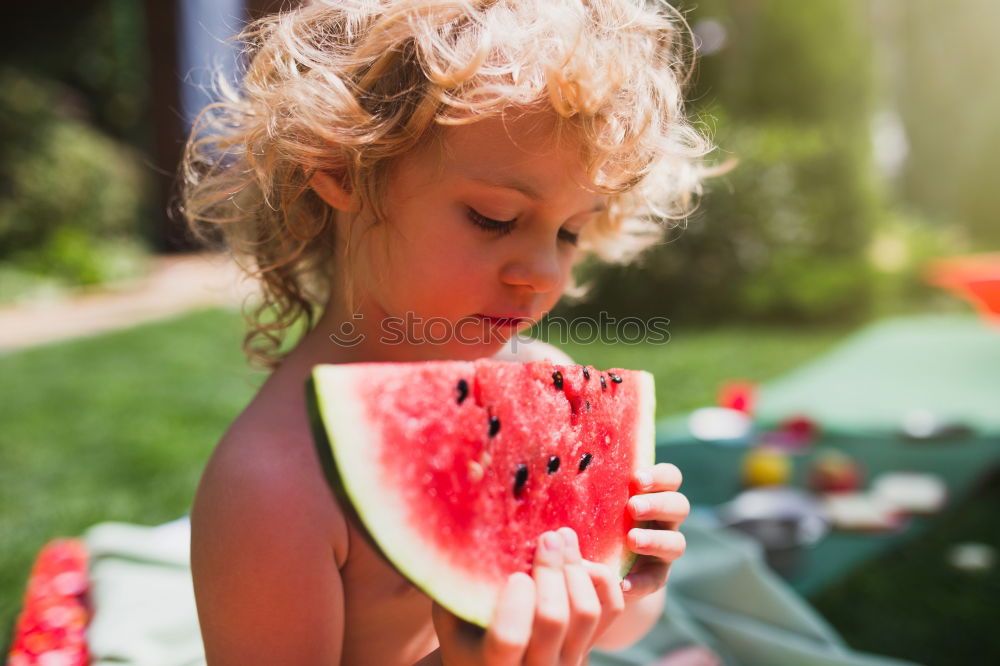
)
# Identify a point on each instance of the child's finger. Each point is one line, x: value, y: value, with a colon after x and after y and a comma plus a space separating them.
x: 659, y: 477
x: 609, y: 592
x: 510, y: 629
x: 584, y: 605
x: 668, y: 507
x: 666, y: 545
x: 551, y: 602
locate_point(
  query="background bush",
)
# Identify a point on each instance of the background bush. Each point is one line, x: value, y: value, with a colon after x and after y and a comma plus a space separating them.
x: 946, y: 79
x: 70, y: 196
x: 783, y: 235
x: 74, y: 123
x: 811, y: 226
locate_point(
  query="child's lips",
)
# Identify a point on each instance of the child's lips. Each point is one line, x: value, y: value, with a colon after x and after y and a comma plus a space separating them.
x: 503, y: 320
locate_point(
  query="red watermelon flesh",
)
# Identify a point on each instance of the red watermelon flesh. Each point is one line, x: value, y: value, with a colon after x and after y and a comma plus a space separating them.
x: 455, y: 468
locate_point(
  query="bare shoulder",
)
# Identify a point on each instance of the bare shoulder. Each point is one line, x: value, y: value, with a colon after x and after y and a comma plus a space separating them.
x: 271, y: 474
x: 523, y: 350
x: 267, y: 543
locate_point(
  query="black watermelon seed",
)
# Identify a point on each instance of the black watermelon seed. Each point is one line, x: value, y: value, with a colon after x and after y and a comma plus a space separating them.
x: 615, y: 378
x: 588, y: 405
x: 585, y: 461
x: 604, y: 384
x: 494, y: 425
x: 557, y: 379
x: 463, y: 390
x: 553, y: 464
x: 520, y: 478
x: 586, y: 373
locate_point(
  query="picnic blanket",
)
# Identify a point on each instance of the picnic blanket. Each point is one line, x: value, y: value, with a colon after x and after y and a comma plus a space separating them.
x: 945, y: 368
x: 721, y: 595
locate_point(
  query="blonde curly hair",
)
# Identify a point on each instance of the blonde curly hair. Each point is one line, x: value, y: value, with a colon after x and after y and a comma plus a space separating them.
x: 346, y: 86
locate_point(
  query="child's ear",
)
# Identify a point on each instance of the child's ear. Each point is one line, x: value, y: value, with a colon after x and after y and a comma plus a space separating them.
x: 332, y: 190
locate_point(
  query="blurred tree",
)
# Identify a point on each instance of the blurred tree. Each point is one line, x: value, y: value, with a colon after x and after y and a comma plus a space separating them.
x: 788, y: 85
x: 69, y: 196
x: 948, y: 95
x: 119, y: 66
x: 93, y: 47
x: 74, y: 119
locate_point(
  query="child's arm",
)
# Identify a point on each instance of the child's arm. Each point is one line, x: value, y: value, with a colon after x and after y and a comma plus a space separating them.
x: 635, y: 622
x: 265, y: 559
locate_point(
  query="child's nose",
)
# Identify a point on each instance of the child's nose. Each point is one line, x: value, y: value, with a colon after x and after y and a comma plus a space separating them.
x: 538, y: 268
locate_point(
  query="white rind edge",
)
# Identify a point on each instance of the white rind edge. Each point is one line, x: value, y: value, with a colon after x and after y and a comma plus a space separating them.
x: 342, y: 416
x: 646, y: 426
x: 343, y: 419
x: 645, y: 435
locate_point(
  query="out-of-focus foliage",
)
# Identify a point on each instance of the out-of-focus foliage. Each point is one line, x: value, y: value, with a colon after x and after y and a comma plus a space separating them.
x: 70, y: 197
x: 946, y: 73
x: 97, y: 48
x: 782, y: 235
x: 902, y: 246
x: 73, y: 95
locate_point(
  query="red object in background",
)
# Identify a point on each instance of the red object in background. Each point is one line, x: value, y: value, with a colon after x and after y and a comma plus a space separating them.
x: 835, y: 472
x: 739, y: 395
x: 51, y: 627
x: 795, y: 434
x: 799, y: 431
x: 975, y: 278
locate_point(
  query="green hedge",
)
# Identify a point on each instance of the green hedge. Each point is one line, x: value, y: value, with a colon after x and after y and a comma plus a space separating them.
x: 70, y: 197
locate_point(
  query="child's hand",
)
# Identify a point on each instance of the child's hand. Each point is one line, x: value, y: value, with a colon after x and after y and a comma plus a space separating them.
x: 658, y: 501
x: 551, y: 617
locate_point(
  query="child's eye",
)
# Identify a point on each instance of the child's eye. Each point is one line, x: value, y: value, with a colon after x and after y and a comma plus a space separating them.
x: 569, y: 236
x: 498, y: 227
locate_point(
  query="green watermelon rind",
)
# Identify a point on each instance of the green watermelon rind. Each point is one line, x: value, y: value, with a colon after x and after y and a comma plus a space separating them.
x: 336, y: 415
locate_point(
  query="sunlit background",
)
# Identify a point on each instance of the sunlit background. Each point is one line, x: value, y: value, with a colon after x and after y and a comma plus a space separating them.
x: 867, y: 145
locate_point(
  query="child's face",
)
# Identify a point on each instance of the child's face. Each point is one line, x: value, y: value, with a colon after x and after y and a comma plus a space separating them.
x: 482, y: 224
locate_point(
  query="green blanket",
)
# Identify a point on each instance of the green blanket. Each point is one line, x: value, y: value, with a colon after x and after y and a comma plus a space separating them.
x: 947, y: 366
x: 860, y: 393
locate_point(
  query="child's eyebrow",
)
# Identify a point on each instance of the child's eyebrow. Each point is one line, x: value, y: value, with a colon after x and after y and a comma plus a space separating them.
x: 510, y: 183
x: 522, y: 186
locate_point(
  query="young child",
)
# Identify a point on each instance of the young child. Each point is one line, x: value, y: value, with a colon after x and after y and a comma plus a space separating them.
x: 389, y: 164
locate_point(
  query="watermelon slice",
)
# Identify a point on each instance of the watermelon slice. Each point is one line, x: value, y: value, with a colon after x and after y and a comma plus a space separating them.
x: 455, y: 468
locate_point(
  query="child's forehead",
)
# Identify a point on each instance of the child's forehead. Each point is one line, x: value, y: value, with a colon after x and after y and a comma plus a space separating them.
x: 520, y: 152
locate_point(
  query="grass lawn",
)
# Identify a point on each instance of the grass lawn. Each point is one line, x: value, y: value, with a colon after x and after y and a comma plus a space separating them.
x: 118, y: 426
x: 114, y: 427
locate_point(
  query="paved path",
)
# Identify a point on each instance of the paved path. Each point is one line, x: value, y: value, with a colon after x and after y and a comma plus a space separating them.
x: 176, y: 284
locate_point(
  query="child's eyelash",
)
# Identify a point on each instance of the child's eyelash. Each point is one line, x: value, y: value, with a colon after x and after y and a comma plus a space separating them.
x: 569, y: 236
x: 504, y: 227
x: 498, y: 227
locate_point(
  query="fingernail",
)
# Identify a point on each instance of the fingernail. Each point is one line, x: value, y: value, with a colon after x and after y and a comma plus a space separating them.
x: 569, y: 539
x: 626, y: 585
x: 641, y: 538
x: 645, y: 479
x: 640, y: 505
x: 552, y: 542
